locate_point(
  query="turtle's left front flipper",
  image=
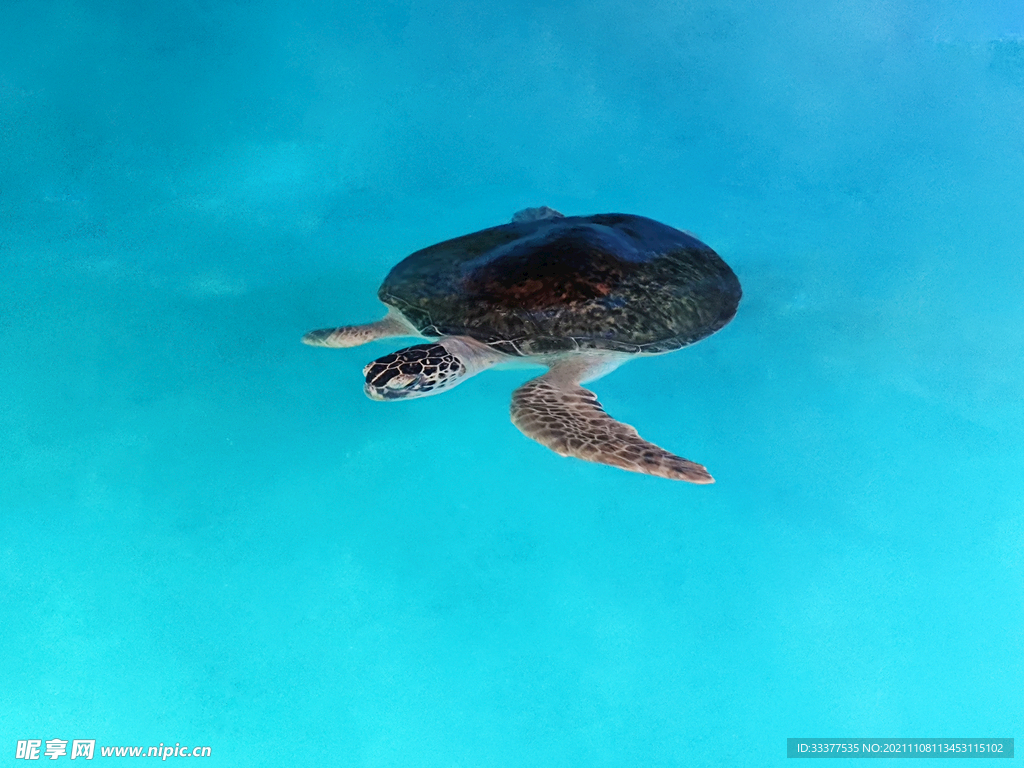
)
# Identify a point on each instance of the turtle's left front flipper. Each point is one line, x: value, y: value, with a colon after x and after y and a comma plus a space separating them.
x: 568, y: 419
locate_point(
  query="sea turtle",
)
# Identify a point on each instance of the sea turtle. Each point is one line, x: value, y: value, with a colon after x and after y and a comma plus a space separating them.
x: 578, y: 294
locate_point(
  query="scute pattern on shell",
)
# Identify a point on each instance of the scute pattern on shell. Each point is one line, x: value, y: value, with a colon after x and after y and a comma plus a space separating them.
x: 612, y: 282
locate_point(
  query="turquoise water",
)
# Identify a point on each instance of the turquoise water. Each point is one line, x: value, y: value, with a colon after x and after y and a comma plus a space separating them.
x: 210, y: 536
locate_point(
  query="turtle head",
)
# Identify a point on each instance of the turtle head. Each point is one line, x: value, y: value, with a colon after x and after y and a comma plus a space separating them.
x: 425, y: 369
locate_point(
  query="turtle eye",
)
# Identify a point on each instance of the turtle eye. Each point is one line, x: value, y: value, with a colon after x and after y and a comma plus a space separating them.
x: 401, y: 381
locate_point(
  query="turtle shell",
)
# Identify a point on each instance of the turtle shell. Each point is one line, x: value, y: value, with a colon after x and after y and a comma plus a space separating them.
x: 612, y: 282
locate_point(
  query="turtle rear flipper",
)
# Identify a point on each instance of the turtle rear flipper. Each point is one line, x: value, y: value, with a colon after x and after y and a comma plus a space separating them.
x: 536, y: 214
x: 569, y: 420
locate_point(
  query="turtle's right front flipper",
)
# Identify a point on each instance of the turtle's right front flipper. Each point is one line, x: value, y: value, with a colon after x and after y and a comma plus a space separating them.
x: 569, y: 420
x: 356, y: 335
